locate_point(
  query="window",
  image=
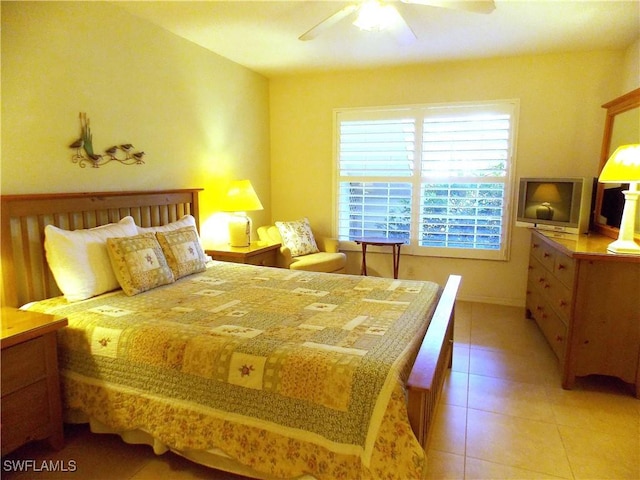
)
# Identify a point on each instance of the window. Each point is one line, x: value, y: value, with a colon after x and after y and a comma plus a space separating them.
x: 437, y: 176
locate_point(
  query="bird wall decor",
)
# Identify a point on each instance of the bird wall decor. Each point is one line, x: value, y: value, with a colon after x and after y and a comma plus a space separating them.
x: 85, y: 154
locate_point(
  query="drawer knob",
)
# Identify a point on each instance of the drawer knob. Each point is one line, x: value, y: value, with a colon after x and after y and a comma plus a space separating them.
x: 546, y: 255
x: 562, y: 303
x: 558, y: 338
x: 561, y: 267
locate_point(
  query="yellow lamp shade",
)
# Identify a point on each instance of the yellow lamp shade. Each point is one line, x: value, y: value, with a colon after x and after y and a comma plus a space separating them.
x: 623, y: 166
x: 241, y: 197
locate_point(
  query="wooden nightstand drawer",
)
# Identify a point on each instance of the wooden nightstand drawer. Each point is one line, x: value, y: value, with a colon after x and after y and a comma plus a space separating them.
x: 31, y: 408
x: 28, y: 365
x: 26, y: 416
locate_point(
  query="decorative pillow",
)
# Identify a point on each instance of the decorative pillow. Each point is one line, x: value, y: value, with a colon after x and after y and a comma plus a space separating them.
x: 79, y: 259
x: 183, y: 251
x: 138, y: 263
x: 298, y: 237
x: 186, y: 221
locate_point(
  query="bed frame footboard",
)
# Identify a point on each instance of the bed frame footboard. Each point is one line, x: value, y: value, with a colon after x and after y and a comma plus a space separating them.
x: 433, y: 360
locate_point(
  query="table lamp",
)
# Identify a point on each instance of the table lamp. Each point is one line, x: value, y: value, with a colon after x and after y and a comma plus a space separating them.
x: 624, y: 167
x: 547, y: 193
x: 240, y: 198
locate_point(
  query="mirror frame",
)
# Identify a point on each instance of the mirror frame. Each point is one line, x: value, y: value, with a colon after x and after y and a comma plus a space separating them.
x: 619, y: 105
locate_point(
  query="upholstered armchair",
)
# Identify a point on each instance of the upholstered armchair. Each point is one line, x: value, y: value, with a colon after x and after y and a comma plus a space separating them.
x: 300, y: 250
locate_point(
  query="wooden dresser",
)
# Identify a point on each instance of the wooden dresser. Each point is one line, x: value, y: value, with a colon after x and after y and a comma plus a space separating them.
x: 587, y: 304
x: 31, y: 408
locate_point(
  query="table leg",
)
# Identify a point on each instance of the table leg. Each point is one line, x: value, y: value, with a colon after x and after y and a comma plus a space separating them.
x: 396, y: 261
x: 363, y: 269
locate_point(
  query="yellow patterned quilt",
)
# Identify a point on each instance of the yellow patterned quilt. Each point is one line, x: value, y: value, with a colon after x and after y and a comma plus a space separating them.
x: 290, y: 373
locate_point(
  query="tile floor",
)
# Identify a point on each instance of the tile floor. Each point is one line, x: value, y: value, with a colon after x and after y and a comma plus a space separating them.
x: 502, y: 415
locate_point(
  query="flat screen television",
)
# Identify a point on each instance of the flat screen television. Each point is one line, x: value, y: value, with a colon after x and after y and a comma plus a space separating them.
x: 558, y: 204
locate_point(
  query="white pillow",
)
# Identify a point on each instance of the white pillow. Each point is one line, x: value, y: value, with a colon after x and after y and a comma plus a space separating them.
x: 79, y: 259
x: 298, y: 237
x: 186, y: 221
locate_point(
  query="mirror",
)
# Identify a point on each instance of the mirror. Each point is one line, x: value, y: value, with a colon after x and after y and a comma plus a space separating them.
x: 621, y: 127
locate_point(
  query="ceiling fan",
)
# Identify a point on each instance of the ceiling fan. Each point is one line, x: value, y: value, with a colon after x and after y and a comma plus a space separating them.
x: 382, y: 15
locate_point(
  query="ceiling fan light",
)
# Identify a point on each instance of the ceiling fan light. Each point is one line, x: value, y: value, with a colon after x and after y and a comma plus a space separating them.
x: 372, y: 15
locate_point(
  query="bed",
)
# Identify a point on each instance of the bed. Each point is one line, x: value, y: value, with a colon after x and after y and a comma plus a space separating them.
x: 254, y: 370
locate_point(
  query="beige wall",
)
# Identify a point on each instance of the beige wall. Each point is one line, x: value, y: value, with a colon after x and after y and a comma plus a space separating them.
x: 631, y: 69
x: 560, y: 131
x: 201, y: 119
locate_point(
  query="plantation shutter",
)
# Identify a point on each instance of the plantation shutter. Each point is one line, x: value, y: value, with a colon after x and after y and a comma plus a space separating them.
x: 465, y: 160
x: 376, y: 164
x: 436, y: 176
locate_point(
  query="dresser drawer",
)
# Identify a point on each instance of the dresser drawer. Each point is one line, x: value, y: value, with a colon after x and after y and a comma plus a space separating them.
x: 22, y: 365
x: 544, y: 253
x: 564, y: 269
x: 534, y: 302
x: 552, y: 327
x: 559, y: 296
x: 538, y: 278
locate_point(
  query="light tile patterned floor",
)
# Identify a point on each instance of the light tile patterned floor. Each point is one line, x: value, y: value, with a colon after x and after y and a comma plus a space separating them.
x: 502, y: 415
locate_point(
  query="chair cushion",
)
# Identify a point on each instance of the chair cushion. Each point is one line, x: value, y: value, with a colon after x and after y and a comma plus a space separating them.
x: 320, y: 262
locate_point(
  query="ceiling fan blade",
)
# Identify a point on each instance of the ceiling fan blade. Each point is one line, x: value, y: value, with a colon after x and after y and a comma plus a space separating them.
x: 328, y: 23
x: 479, y: 6
x: 402, y: 30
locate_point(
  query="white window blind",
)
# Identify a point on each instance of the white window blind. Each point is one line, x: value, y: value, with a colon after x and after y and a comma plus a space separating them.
x: 376, y: 166
x: 452, y: 201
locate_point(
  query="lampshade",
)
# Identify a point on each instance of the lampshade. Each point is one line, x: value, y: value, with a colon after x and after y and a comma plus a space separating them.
x: 546, y: 192
x: 623, y: 166
x: 241, y: 197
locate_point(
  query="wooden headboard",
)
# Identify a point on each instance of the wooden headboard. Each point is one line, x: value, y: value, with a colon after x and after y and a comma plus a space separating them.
x: 25, y: 274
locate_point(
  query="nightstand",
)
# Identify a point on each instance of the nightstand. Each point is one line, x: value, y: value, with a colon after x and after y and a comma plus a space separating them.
x: 31, y: 407
x: 254, y: 254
